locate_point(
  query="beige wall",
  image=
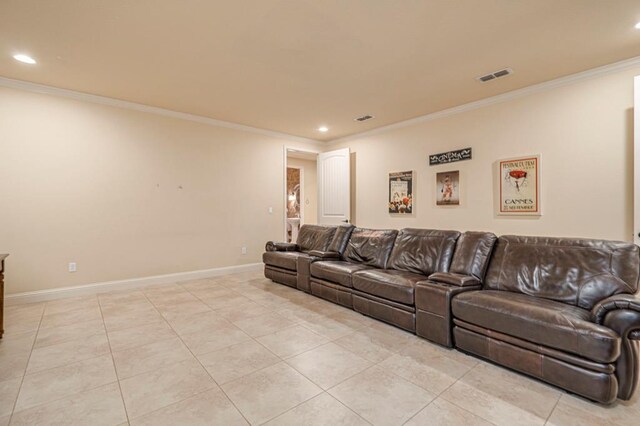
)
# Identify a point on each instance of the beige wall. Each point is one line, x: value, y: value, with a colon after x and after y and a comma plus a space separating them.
x: 310, y: 203
x: 100, y: 186
x: 583, y: 132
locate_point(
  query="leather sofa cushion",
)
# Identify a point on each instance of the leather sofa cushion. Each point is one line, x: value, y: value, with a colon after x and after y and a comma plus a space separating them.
x: 338, y: 271
x: 315, y: 237
x: 423, y: 251
x: 390, y: 284
x: 340, y: 239
x: 282, y: 259
x: 472, y: 254
x: 545, y: 322
x: 370, y: 246
x: 579, y: 272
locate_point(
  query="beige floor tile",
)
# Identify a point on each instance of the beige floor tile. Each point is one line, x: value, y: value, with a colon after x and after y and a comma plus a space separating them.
x: 170, y: 298
x: 65, y: 333
x: 291, y: 341
x: 208, y: 408
x: 131, y: 319
x: 22, y: 318
x: 194, y: 323
x: 264, y: 324
x: 70, y: 304
x: 269, y: 392
x: 244, y: 311
x: 328, y: 364
x: 518, y: 391
x: 371, y: 345
x: 91, y: 313
x: 14, y: 364
x: 382, y: 398
x: 489, y: 407
x: 219, y: 302
x: 15, y: 343
x: 330, y: 328
x: 4, y: 421
x: 431, y: 371
x: 68, y: 352
x: 443, y: 413
x: 236, y: 361
x: 319, y: 411
x: 120, y: 298
x: 152, y: 356
x: 191, y: 307
x: 202, y: 284
x: 216, y: 338
x: 151, y: 391
x: 138, y: 336
x: 573, y: 410
x: 99, y: 406
x: 127, y: 308
x: 213, y: 292
x: 56, y: 383
x: 8, y: 394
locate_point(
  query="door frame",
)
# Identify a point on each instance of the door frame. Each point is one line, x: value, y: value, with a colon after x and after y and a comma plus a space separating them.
x: 636, y: 159
x: 285, y: 151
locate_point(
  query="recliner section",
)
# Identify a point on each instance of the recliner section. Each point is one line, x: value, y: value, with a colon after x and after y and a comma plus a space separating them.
x: 565, y: 311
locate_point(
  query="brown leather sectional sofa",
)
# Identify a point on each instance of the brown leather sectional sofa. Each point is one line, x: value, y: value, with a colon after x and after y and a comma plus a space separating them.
x: 562, y: 310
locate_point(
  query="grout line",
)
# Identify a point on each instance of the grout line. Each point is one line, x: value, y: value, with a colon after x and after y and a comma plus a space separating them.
x: 201, y: 365
x: 554, y: 408
x: 35, y: 338
x: 113, y: 362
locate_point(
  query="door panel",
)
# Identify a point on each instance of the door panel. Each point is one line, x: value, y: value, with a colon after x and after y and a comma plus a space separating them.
x: 334, y: 187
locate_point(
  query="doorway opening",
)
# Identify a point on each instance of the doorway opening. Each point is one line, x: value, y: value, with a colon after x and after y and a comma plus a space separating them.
x: 300, y: 191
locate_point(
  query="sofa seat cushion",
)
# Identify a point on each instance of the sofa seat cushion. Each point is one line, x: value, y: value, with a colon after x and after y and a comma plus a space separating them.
x: 337, y: 271
x: 282, y: 259
x: 545, y: 322
x: 390, y: 284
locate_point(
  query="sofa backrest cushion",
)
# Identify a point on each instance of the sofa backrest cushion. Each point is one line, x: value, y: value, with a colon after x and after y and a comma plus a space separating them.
x: 423, y: 251
x: 341, y: 238
x: 578, y: 272
x: 473, y: 251
x: 370, y: 246
x: 315, y: 237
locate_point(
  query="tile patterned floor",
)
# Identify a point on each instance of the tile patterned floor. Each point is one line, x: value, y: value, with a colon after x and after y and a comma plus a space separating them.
x: 240, y: 349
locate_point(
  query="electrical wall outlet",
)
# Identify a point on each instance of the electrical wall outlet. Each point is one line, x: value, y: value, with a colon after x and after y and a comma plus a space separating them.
x: 270, y: 210
x: 73, y: 267
x: 243, y: 250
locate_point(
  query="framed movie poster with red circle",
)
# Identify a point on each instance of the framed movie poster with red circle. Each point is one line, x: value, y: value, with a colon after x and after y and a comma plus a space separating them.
x: 520, y: 186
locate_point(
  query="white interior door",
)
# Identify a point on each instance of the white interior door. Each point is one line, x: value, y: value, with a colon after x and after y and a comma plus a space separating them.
x: 334, y: 187
x: 636, y: 161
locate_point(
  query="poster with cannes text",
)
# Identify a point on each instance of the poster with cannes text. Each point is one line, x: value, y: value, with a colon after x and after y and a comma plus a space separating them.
x: 520, y: 186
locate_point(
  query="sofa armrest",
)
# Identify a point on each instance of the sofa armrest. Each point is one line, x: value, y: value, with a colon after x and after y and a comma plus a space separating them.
x: 324, y: 255
x: 626, y: 323
x: 273, y: 246
x: 459, y: 280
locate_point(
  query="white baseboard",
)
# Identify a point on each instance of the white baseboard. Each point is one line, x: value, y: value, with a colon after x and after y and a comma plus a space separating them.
x: 103, y: 287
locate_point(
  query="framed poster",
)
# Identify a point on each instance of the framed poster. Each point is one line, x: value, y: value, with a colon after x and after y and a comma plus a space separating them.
x: 401, y: 192
x: 520, y: 186
x: 448, y: 188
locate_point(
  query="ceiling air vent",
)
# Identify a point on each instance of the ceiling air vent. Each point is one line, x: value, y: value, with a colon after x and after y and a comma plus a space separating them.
x: 502, y: 73
x: 364, y: 118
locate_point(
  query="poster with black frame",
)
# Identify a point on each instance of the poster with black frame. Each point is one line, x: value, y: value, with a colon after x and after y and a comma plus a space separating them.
x: 448, y: 188
x: 519, y: 186
x: 401, y: 192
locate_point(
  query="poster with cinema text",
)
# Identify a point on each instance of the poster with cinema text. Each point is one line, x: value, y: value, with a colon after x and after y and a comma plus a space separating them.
x: 520, y: 186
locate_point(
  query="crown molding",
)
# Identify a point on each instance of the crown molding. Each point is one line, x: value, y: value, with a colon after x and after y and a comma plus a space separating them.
x: 514, y: 94
x: 118, y: 103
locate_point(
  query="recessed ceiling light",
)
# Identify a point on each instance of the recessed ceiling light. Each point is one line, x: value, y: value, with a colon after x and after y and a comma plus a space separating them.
x: 24, y: 58
x: 638, y: 26
x: 323, y: 129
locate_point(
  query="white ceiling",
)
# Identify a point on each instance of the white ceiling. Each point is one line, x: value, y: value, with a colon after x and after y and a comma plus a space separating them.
x: 293, y: 65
